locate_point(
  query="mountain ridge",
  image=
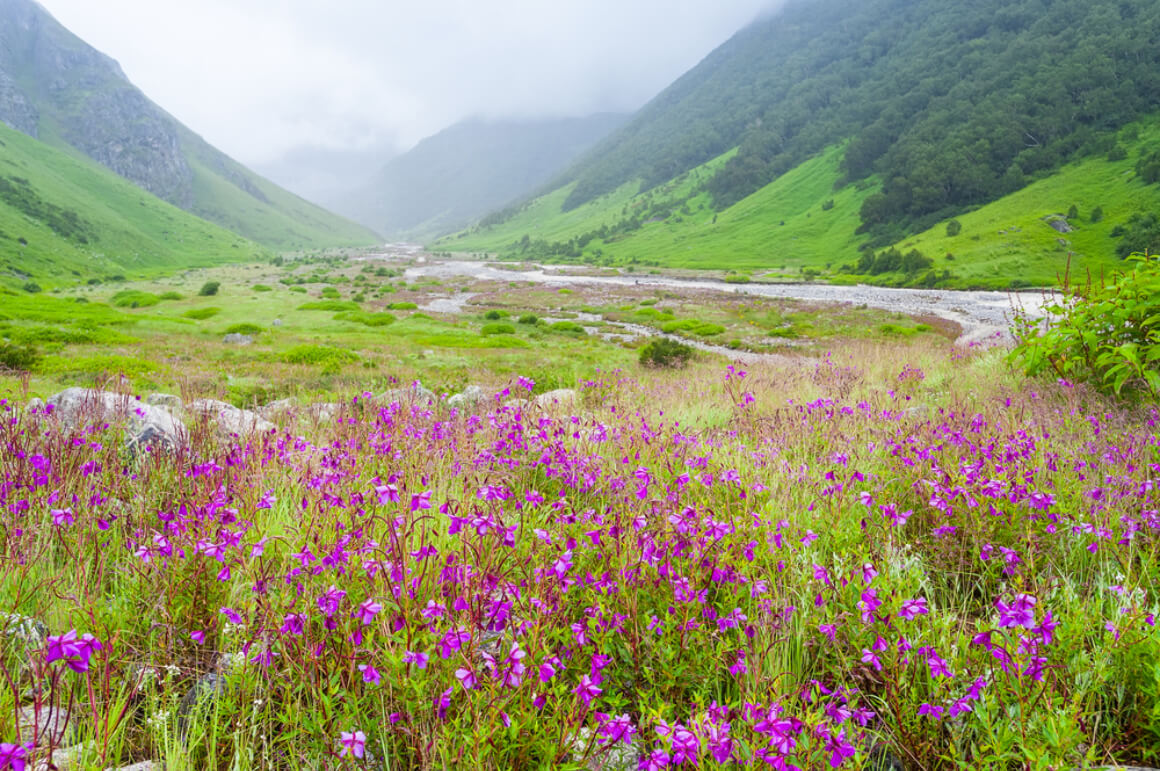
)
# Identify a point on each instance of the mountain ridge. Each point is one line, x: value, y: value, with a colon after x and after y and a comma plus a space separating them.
x: 58, y: 89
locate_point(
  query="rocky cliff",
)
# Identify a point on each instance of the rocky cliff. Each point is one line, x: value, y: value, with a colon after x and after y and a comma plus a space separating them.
x: 57, y: 88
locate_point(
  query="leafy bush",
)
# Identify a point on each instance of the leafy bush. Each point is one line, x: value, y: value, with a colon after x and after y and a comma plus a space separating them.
x: 693, y: 327
x: 665, y: 353
x: 495, y: 315
x: 32, y: 287
x: 244, y: 328
x: 568, y: 327
x: 18, y: 357
x: 954, y: 227
x: 1106, y: 334
x: 402, y: 306
x: 262, y: 288
x: 209, y: 289
x: 201, y: 314
x: 169, y: 296
x: 367, y: 319
x: 497, y: 329
x: 133, y: 298
x: 322, y: 355
x: 529, y: 318
x: 329, y: 305
x: 331, y: 293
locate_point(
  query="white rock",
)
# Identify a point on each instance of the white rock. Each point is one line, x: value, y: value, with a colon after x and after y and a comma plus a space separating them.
x: 147, y: 424
x: 562, y: 397
x: 230, y: 419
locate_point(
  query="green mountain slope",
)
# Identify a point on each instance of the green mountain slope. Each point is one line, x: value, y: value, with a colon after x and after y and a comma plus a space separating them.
x: 65, y: 219
x: 951, y: 104
x: 55, y: 87
x: 801, y: 223
x: 465, y: 171
x: 836, y: 132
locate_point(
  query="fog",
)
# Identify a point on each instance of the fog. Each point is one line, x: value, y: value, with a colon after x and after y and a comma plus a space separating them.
x: 259, y: 78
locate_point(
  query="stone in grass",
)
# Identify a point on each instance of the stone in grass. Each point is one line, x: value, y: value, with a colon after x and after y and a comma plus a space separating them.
x: 471, y: 396
x: 279, y: 408
x: 237, y: 339
x: 171, y: 402
x: 147, y: 424
x: 615, y: 756
x: 561, y: 397
x: 199, y: 699
x: 47, y: 725
x: 230, y: 419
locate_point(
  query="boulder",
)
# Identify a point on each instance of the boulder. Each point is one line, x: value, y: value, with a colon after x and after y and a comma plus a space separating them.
x: 235, y: 339
x: 278, y: 408
x: 470, y: 396
x: 415, y: 393
x: 561, y: 397
x: 170, y: 402
x: 276, y: 323
x: 147, y: 425
x: 230, y: 419
x: 324, y: 412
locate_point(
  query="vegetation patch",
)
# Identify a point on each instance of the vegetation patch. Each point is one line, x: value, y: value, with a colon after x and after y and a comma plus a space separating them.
x: 692, y: 327
x: 201, y: 314
x: 329, y: 305
x: 132, y: 298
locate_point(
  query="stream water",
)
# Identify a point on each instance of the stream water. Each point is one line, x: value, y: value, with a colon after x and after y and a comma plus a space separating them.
x: 984, y: 316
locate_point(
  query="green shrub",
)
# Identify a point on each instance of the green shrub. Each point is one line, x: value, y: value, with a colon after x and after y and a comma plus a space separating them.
x: 367, y: 319
x: 209, y: 289
x: 169, y: 296
x: 132, y: 298
x: 529, y: 318
x: 330, y: 293
x: 1105, y: 334
x: 262, y: 288
x: 568, y: 327
x: 495, y: 315
x: 329, y: 305
x: 201, y: 314
x: 244, y: 328
x: 32, y: 287
x: 497, y: 329
x: 18, y: 357
x: 693, y: 327
x: 954, y: 227
x: 321, y: 355
x: 402, y: 306
x: 298, y: 289
x: 665, y: 353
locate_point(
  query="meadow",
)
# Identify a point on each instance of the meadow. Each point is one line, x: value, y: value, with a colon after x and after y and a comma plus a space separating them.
x: 872, y: 551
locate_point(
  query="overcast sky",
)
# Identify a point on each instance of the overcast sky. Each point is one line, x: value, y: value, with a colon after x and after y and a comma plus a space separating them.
x: 258, y: 77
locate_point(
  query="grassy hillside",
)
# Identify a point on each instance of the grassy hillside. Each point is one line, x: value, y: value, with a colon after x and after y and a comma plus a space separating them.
x: 65, y: 219
x: 950, y: 105
x: 56, y: 88
x: 800, y: 222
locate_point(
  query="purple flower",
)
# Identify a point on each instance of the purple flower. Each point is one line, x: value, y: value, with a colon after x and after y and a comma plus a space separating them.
x: 1021, y: 612
x: 353, y: 744
x: 418, y: 659
x: 421, y: 501
x: 231, y: 615
x: 328, y: 601
x: 587, y: 690
x: 73, y: 651
x: 912, y: 609
x: 367, y: 611
x: 14, y: 756
x: 369, y: 674
x: 466, y: 678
